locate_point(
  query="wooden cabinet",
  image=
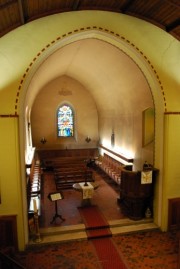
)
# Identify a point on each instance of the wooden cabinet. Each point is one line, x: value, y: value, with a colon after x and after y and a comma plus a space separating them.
x: 136, y: 197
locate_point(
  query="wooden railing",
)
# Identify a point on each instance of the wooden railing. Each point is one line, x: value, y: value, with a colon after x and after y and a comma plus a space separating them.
x: 34, y: 187
x: 112, y: 167
x: 8, y: 262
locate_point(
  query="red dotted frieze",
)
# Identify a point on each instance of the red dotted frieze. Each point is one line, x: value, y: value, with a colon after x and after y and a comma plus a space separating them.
x: 76, y: 31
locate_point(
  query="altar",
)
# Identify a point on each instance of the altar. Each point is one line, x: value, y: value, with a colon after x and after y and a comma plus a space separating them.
x: 87, y: 189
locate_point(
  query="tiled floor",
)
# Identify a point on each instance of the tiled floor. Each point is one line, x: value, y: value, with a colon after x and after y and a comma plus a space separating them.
x: 105, y: 197
x: 141, y: 250
x: 138, y: 250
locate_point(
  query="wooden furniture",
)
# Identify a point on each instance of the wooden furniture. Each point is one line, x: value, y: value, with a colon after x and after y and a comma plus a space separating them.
x: 68, y: 170
x: 136, y: 197
x: 62, y: 162
x: 85, y: 153
x: 34, y: 187
x: 112, y: 167
x: 54, y: 197
x: 65, y: 180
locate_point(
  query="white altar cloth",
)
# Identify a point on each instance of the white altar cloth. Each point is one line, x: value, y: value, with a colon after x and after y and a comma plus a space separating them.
x: 87, y: 191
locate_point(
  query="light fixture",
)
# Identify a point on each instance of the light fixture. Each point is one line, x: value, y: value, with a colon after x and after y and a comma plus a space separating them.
x: 29, y: 125
x: 88, y: 139
x: 43, y: 140
x: 112, y: 139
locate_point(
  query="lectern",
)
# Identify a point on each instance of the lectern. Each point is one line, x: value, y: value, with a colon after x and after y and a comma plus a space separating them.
x: 54, y: 197
x: 137, y: 192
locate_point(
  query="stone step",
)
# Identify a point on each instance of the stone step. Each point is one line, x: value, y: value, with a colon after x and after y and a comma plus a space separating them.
x: 78, y: 232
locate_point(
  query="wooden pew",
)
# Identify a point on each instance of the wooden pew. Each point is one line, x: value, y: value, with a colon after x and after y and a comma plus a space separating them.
x: 65, y: 180
x: 69, y: 170
x: 64, y: 162
x: 112, y: 167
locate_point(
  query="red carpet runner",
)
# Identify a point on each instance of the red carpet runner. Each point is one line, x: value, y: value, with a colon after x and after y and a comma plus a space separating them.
x: 108, y: 254
x: 97, y: 228
x: 95, y: 222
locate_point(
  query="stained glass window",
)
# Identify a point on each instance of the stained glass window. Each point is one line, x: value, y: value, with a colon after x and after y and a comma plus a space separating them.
x: 65, y: 121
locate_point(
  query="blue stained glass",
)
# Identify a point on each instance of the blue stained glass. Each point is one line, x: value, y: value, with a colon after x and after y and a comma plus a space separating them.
x: 65, y: 121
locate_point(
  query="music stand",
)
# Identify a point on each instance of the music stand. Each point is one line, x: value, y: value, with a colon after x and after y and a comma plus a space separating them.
x: 54, y: 197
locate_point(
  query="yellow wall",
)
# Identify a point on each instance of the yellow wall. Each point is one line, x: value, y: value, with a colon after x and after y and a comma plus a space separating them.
x: 171, y: 179
x: 162, y: 50
x: 19, y: 55
x: 10, y: 177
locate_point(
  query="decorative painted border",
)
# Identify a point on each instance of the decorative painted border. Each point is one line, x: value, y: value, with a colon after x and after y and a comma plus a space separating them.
x: 9, y: 116
x: 171, y: 113
x: 77, y: 31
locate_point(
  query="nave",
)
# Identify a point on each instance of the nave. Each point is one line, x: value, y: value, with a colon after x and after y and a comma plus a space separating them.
x: 144, y: 248
x: 105, y: 197
x: 141, y: 248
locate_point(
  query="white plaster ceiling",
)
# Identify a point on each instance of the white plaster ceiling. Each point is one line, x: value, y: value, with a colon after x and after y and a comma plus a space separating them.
x: 113, y: 79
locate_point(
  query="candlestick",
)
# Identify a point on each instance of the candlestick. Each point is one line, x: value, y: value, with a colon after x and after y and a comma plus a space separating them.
x: 35, y: 205
x: 37, y: 235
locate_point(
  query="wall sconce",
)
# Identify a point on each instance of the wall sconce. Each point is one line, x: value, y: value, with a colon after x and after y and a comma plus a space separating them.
x: 88, y: 139
x: 29, y: 125
x: 112, y: 139
x: 43, y: 140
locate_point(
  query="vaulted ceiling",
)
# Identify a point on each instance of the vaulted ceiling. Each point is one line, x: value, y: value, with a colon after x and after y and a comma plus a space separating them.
x: 162, y: 13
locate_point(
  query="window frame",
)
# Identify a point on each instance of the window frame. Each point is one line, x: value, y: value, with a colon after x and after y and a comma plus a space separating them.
x: 57, y: 120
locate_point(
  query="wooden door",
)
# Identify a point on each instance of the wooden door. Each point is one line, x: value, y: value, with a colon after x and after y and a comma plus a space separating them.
x: 8, y: 231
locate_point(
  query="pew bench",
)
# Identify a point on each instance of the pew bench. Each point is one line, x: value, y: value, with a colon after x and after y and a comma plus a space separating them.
x: 112, y: 167
x: 65, y: 180
x: 64, y: 162
x: 69, y: 170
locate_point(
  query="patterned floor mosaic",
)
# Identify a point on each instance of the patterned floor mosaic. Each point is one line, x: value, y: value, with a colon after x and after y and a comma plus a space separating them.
x: 145, y: 250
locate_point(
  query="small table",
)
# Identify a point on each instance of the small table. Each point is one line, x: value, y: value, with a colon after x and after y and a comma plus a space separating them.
x: 79, y: 187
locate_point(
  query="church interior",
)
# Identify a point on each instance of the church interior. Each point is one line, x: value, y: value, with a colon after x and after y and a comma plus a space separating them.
x: 89, y: 119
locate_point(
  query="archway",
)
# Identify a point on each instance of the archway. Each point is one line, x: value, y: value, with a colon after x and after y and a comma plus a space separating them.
x: 31, y: 90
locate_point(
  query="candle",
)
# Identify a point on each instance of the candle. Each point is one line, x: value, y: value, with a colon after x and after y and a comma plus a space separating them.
x: 35, y: 205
